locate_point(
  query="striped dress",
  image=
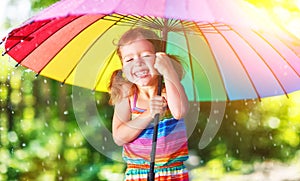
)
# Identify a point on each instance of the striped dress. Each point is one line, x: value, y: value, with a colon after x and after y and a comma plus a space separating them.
x: 171, y: 150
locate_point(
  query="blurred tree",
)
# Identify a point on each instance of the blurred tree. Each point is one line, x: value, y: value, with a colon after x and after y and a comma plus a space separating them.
x: 38, y: 4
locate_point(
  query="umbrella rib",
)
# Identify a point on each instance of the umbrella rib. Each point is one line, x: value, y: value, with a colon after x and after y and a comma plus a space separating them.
x: 100, y: 76
x: 289, y: 47
x: 64, y: 45
x: 133, y: 20
x: 190, y: 60
x: 258, y: 54
x: 211, y: 51
x: 22, y: 38
x: 89, y: 48
x: 262, y: 37
x: 238, y: 57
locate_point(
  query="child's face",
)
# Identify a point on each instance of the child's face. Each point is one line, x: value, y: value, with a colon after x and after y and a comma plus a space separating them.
x: 138, y: 59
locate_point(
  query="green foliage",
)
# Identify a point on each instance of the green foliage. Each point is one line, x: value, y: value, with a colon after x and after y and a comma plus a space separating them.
x: 37, y: 4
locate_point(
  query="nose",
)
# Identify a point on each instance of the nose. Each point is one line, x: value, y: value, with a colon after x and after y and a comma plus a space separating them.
x: 139, y: 61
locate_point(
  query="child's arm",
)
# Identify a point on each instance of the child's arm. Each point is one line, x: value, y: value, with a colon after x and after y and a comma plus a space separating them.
x: 176, y: 96
x: 125, y: 130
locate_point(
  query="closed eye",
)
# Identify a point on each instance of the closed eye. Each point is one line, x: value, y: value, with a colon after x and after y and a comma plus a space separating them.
x: 148, y: 56
x: 128, y: 59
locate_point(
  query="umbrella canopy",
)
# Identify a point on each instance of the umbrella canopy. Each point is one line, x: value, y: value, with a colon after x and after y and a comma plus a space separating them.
x: 72, y: 42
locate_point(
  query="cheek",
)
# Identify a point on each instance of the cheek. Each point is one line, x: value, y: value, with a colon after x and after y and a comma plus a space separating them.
x: 127, y: 72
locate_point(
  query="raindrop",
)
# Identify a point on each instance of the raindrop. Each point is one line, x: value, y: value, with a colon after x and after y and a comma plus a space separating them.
x: 46, y: 124
x: 105, y: 138
x: 234, y: 123
x: 216, y: 111
x: 237, y: 151
x: 271, y: 137
x: 1, y: 128
x: 45, y: 81
x: 226, y: 116
x: 58, y: 156
x: 12, y: 136
x: 201, y: 162
x: 236, y: 111
x: 237, y: 133
x: 23, y: 144
x: 103, y: 147
x: 66, y: 112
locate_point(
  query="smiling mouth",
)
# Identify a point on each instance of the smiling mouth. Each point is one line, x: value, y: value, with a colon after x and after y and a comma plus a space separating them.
x: 142, y: 73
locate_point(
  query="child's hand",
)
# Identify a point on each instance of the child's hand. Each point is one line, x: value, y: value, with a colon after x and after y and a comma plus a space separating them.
x: 163, y: 63
x: 157, y: 105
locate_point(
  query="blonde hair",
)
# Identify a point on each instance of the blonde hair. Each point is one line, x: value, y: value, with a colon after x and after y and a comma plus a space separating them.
x: 119, y: 86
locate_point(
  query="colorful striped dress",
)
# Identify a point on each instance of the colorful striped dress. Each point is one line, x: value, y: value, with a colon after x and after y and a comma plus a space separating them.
x: 171, y: 150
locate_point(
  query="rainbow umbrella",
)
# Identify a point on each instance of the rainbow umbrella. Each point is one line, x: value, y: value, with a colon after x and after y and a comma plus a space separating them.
x: 72, y: 42
x: 222, y: 62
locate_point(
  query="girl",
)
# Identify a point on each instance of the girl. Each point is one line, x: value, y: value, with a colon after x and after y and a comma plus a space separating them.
x: 134, y: 93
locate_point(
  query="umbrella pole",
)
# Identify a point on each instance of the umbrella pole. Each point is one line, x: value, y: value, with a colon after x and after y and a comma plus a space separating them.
x: 151, y: 175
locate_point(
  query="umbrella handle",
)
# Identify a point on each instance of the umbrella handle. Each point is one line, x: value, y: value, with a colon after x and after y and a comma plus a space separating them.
x: 151, y: 174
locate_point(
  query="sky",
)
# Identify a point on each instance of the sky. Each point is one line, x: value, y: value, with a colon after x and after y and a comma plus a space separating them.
x: 17, y: 13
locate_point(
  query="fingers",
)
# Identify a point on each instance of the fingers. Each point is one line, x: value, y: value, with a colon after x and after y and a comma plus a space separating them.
x: 162, y: 62
x: 157, y: 105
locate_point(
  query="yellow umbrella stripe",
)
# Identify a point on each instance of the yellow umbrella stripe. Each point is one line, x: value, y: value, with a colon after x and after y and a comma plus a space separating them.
x: 61, y: 66
x: 95, y: 66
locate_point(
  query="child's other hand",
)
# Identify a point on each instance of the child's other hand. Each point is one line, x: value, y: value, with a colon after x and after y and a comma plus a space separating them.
x: 157, y: 105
